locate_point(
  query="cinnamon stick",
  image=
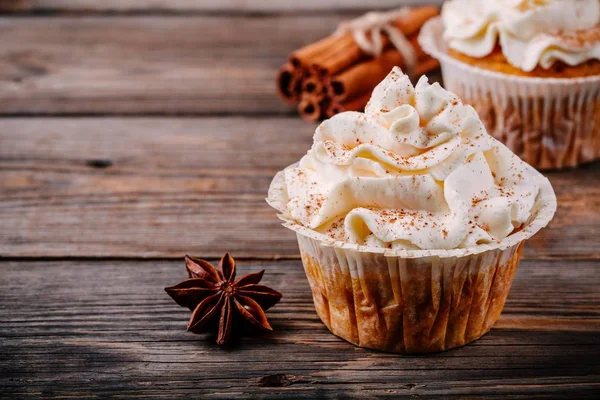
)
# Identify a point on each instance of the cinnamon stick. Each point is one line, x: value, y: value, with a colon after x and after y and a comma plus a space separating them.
x: 307, y: 78
x: 311, y: 107
x: 367, y: 74
x: 288, y: 80
x: 314, y: 86
x: 348, y: 55
x: 305, y: 56
x: 358, y: 101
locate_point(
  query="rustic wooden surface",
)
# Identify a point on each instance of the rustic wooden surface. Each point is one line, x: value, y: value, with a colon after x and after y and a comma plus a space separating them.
x: 106, y: 328
x: 132, y: 132
x: 197, y: 185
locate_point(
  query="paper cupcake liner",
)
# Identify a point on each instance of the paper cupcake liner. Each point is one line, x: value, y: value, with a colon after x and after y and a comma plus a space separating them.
x: 548, y: 122
x: 414, y: 305
x: 410, y: 301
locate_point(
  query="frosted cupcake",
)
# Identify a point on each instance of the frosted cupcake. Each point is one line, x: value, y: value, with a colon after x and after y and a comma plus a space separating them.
x: 410, y: 219
x: 530, y: 68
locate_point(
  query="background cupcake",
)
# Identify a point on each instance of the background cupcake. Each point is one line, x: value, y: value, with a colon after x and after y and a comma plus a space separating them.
x: 531, y: 69
x: 410, y: 219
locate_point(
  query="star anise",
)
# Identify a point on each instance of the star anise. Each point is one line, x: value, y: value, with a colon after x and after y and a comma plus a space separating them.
x: 212, y: 294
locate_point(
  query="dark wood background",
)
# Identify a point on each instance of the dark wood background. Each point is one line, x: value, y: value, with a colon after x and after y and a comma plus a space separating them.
x: 133, y: 132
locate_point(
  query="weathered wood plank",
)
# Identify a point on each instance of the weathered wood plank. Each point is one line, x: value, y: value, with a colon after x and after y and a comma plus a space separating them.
x: 152, y: 65
x: 236, y: 6
x: 107, y: 328
x: 178, y: 185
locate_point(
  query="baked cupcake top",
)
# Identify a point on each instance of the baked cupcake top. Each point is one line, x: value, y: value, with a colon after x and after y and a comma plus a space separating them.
x: 528, y: 32
x: 417, y: 170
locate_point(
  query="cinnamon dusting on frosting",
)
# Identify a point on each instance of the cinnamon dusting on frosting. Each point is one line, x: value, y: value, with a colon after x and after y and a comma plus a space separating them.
x: 417, y: 170
x: 529, y: 33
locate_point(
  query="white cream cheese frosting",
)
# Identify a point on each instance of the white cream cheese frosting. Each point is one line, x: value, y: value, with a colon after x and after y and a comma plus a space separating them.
x: 529, y: 32
x: 417, y: 170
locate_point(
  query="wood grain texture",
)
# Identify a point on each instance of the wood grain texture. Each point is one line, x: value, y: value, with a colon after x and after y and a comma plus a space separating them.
x: 149, y: 65
x: 141, y: 187
x: 85, y: 329
x: 162, y: 187
x: 237, y: 6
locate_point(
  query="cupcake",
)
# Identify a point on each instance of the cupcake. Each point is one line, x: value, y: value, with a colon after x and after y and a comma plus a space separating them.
x: 410, y: 219
x: 530, y: 68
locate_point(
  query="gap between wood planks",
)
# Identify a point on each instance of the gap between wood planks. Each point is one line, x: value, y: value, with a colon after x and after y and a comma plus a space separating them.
x: 192, y: 7
x: 291, y: 113
x: 273, y: 258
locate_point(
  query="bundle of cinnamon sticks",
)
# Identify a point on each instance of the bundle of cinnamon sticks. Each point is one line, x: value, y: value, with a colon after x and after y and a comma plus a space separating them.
x: 335, y: 75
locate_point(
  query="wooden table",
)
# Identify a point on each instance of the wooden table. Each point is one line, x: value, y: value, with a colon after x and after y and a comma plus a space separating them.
x: 133, y: 132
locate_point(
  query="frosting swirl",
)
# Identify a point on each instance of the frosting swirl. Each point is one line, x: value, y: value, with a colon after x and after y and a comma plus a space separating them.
x: 530, y: 32
x: 417, y: 170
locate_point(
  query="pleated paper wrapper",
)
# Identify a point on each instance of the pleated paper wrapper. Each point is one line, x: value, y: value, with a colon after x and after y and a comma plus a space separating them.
x: 410, y: 301
x: 549, y: 123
